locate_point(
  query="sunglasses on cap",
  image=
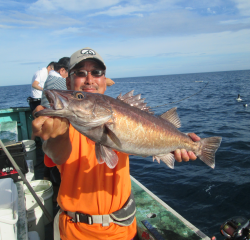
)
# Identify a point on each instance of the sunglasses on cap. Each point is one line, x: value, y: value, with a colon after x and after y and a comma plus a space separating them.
x: 83, y: 73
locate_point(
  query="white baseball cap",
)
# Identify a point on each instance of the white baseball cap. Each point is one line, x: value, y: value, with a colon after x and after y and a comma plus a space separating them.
x: 84, y: 54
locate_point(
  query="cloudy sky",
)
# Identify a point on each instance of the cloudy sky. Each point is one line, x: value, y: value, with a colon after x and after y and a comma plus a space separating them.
x: 134, y: 37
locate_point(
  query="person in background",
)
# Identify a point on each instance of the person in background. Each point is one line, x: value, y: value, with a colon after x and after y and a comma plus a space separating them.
x: 109, y: 82
x: 89, y: 192
x: 37, y: 84
x: 56, y: 78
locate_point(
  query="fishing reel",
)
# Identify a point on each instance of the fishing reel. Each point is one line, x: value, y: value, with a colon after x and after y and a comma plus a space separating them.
x: 236, y: 228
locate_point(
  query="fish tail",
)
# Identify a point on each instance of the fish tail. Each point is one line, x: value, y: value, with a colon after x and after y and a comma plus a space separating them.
x: 208, y: 149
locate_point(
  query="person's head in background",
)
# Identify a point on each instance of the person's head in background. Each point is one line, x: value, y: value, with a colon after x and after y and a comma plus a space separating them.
x: 50, y: 66
x: 62, y: 66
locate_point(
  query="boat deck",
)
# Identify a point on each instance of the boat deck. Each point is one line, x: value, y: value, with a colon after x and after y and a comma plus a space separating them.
x: 156, y: 219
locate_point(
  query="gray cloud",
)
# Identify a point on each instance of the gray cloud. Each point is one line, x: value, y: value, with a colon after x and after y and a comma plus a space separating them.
x: 19, y: 19
x: 131, y: 18
x: 74, y: 5
x: 178, y: 23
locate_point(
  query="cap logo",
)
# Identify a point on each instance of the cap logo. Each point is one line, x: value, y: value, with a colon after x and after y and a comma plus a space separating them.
x: 88, y: 52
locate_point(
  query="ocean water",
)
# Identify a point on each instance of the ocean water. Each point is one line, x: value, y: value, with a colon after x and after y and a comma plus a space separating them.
x: 205, y: 197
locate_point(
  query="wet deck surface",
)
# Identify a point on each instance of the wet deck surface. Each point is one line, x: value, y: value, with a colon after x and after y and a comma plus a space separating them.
x: 157, y: 219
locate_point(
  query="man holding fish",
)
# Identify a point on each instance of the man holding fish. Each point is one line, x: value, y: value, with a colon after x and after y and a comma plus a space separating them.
x: 85, y: 141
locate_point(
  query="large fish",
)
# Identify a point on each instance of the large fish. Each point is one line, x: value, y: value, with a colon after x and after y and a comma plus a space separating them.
x: 126, y: 125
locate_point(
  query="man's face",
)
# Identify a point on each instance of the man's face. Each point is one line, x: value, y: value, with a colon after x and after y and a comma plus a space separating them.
x: 63, y: 72
x: 87, y: 84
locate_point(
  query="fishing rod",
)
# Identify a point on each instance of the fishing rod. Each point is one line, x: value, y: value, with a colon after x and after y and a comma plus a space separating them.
x: 181, y: 99
x: 26, y: 182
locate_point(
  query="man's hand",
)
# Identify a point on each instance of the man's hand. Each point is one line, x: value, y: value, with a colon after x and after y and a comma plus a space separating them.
x: 49, y: 127
x: 55, y: 132
x: 182, y: 155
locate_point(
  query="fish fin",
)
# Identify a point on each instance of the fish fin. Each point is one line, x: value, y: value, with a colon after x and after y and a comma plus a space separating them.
x: 127, y: 95
x: 112, y: 136
x: 98, y: 153
x: 209, y: 147
x: 107, y: 155
x: 167, y: 158
x: 135, y: 101
x: 172, y: 116
x: 157, y: 159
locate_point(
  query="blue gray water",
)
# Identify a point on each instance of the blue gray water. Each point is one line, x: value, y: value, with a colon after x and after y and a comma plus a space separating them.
x: 206, y: 197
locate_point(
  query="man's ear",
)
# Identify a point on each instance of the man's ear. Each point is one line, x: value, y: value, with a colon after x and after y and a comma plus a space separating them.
x: 68, y: 83
x: 60, y: 71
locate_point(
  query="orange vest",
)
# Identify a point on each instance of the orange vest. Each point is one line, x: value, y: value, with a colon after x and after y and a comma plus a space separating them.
x: 92, y: 188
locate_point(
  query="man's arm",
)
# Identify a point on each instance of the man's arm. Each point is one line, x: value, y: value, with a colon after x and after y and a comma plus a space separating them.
x: 55, y: 132
x: 35, y: 85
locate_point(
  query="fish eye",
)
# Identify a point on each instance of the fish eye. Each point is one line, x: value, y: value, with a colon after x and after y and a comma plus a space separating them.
x: 79, y: 95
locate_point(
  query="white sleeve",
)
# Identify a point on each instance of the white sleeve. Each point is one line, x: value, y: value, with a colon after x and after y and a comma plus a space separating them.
x: 37, y: 77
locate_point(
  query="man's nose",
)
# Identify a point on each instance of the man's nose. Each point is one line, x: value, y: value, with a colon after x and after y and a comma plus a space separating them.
x: 89, y: 78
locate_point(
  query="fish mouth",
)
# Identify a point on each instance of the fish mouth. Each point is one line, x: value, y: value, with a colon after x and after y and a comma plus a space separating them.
x: 58, y: 102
